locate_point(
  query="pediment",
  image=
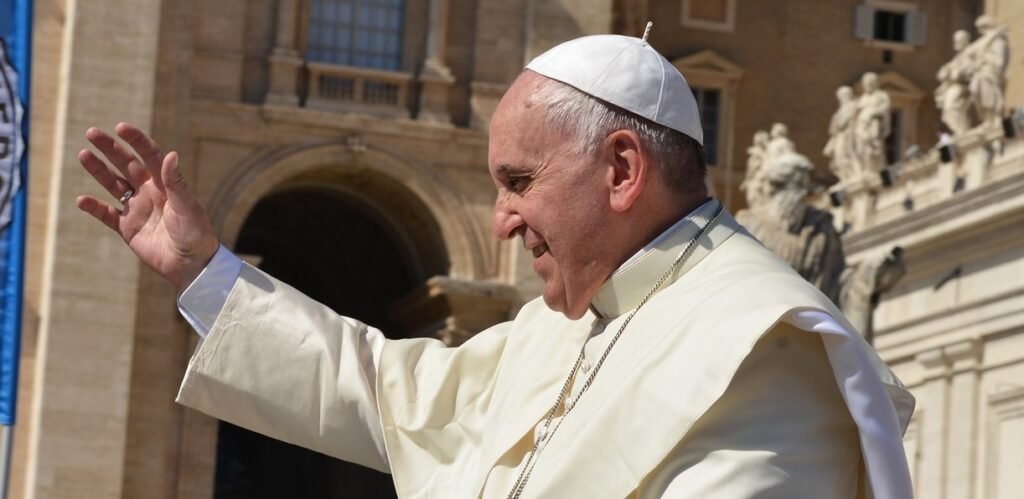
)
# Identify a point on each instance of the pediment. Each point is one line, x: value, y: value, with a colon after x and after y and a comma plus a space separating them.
x: 708, y: 62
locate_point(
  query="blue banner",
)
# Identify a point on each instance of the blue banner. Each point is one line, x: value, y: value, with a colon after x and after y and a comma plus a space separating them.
x: 15, y: 69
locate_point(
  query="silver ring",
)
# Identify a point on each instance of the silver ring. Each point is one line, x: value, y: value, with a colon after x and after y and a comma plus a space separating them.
x: 127, y: 195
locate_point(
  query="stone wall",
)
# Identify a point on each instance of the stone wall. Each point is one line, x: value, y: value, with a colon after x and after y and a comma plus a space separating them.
x: 952, y: 327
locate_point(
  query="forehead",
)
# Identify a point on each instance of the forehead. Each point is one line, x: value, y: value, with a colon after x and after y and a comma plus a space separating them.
x: 518, y: 130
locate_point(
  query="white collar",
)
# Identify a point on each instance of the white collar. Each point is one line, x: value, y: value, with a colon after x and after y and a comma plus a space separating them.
x: 633, y: 279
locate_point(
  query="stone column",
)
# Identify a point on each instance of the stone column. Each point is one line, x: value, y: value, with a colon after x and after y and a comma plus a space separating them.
x: 89, y: 279
x: 435, y: 77
x: 948, y: 407
x: 964, y: 361
x: 932, y: 402
x: 285, y: 61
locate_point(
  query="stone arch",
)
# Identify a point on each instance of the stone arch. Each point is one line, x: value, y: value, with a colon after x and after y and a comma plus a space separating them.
x: 379, y: 179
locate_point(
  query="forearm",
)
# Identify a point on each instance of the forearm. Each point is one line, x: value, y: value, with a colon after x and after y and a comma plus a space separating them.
x: 278, y: 363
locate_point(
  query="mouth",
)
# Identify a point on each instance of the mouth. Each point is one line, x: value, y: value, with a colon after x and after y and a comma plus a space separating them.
x: 539, y: 250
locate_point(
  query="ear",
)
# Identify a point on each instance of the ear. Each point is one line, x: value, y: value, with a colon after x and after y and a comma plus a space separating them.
x: 628, y: 168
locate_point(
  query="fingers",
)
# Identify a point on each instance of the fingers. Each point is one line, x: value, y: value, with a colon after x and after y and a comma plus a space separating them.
x: 174, y: 182
x: 99, y: 171
x: 100, y: 211
x: 118, y: 155
x: 144, y: 146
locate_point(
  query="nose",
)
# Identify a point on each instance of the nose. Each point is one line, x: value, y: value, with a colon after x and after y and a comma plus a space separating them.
x: 507, y: 221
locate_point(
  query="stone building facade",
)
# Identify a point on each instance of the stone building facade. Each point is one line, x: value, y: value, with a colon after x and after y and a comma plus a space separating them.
x: 328, y: 159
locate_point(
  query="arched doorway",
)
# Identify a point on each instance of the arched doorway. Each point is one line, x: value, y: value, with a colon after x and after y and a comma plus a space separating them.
x: 356, y: 256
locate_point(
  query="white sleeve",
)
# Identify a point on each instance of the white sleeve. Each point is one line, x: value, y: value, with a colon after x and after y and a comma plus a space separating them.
x: 276, y: 362
x: 881, y: 412
x: 201, y: 302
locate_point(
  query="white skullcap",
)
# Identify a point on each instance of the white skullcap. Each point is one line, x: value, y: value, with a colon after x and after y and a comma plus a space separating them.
x: 628, y: 73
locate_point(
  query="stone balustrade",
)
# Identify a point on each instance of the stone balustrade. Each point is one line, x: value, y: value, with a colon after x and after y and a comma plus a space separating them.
x: 984, y: 156
x: 346, y: 88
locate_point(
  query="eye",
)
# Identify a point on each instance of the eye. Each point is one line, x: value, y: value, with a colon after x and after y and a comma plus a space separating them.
x: 518, y: 184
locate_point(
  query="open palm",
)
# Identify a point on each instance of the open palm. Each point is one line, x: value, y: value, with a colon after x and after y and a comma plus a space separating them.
x: 161, y: 221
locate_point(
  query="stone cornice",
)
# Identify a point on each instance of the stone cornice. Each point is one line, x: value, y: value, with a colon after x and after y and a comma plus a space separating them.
x: 993, y: 205
x: 364, y: 123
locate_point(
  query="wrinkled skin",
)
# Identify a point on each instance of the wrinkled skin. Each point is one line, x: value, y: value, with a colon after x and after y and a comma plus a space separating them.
x: 162, y: 222
x: 580, y: 214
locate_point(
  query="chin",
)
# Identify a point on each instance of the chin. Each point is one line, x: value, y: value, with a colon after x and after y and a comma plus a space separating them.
x: 558, y: 304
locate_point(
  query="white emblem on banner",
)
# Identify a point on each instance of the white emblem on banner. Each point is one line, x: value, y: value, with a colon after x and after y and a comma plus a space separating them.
x: 12, y: 145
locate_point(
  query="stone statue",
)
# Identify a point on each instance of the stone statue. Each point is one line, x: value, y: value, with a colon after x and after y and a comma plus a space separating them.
x: 755, y: 158
x: 805, y: 237
x: 953, y: 97
x: 783, y: 220
x: 840, y: 146
x: 779, y: 142
x: 991, y: 53
x: 863, y: 284
x: 768, y: 148
x: 872, y: 125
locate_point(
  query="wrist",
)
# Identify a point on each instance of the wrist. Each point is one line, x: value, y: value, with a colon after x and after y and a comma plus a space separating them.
x: 196, y: 264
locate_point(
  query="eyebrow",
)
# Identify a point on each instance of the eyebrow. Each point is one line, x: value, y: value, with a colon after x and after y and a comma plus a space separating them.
x: 511, y: 169
x: 506, y: 169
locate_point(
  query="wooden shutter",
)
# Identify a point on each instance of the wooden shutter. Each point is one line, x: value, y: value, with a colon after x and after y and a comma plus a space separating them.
x: 916, y: 27
x: 864, y: 22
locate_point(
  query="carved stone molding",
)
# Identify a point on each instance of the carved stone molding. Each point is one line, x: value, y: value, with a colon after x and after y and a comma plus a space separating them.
x: 454, y: 310
x: 961, y: 355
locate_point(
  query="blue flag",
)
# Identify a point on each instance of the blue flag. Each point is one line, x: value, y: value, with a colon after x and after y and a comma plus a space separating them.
x: 15, y: 57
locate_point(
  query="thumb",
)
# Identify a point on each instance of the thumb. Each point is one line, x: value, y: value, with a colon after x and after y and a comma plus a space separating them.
x: 174, y: 182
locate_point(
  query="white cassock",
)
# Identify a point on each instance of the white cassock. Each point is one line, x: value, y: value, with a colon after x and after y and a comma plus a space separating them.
x: 737, y: 379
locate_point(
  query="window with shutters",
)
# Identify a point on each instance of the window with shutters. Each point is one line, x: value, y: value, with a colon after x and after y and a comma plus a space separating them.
x: 890, y: 25
x: 714, y: 15
x: 708, y: 103
x: 715, y: 81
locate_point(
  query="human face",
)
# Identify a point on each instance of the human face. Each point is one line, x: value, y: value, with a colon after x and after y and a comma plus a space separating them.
x: 553, y: 198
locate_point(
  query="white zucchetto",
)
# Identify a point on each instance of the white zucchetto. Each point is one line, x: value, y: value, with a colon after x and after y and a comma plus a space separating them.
x: 627, y: 72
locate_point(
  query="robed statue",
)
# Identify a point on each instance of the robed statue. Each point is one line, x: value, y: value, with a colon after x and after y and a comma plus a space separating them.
x: 840, y: 147
x: 805, y: 237
x: 858, y: 131
x: 953, y: 97
x: 988, y: 80
x: 873, y: 124
x: 975, y: 78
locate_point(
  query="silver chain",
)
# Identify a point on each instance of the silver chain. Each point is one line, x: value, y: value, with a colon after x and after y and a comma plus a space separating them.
x: 545, y: 435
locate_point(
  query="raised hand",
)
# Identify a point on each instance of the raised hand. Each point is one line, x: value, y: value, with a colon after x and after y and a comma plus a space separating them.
x: 161, y: 221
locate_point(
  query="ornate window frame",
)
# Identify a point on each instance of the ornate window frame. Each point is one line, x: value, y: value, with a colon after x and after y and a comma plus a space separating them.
x: 707, y: 69
x: 727, y: 26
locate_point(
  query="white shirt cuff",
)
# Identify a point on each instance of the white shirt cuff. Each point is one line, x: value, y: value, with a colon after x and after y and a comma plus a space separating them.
x: 202, y: 301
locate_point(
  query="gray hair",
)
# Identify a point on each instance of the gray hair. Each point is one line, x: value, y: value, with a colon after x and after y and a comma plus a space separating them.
x: 589, y: 121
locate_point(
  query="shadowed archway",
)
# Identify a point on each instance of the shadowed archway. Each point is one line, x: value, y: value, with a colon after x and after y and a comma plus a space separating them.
x: 344, y: 250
